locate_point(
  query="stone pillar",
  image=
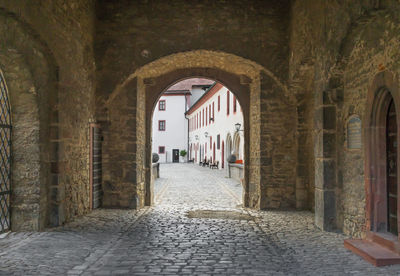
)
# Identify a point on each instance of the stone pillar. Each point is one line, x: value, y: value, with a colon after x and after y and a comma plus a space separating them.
x: 278, y: 146
x: 121, y: 174
x: 57, y: 189
x: 325, y: 161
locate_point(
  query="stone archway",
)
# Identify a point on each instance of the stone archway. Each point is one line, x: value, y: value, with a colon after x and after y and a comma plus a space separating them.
x: 127, y: 174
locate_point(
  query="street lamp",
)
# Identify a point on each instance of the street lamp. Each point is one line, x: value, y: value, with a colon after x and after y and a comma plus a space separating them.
x: 206, y: 134
x: 237, y: 126
x: 197, y: 137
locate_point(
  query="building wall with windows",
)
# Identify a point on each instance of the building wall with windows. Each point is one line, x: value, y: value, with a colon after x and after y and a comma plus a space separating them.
x: 212, y: 130
x: 170, y: 128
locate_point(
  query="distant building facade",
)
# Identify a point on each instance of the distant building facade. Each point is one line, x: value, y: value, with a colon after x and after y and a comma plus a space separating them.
x: 213, y: 120
x: 170, y: 127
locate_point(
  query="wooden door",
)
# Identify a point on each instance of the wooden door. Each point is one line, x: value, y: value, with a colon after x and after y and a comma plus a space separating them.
x: 96, y: 195
x: 391, y: 163
x: 175, y: 155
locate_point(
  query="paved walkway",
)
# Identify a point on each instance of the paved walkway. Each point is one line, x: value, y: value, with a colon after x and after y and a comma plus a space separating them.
x: 197, y: 227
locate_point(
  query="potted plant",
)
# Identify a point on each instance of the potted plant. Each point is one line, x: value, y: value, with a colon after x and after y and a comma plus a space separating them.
x: 183, y: 154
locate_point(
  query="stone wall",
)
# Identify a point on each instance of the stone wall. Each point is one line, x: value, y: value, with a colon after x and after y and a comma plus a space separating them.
x: 65, y: 29
x: 29, y: 72
x: 302, y: 68
x: 25, y: 170
x: 278, y: 152
x: 131, y: 34
x: 335, y: 52
x: 374, y: 47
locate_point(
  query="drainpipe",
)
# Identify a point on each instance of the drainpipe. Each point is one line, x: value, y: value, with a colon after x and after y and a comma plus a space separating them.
x: 187, y: 120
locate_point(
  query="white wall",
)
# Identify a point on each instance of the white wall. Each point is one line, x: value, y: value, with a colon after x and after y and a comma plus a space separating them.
x: 176, y: 134
x: 197, y: 92
x: 223, y: 124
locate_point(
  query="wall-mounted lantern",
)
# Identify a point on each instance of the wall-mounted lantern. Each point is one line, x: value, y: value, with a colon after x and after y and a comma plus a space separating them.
x: 237, y: 127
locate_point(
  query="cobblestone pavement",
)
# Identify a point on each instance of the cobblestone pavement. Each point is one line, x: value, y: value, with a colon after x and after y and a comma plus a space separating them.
x: 163, y: 240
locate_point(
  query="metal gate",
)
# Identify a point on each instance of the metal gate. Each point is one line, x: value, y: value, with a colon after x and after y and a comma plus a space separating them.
x: 5, y: 157
x: 95, y: 166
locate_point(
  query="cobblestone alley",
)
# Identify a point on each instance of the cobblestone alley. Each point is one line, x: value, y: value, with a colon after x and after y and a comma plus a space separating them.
x: 197, y: 227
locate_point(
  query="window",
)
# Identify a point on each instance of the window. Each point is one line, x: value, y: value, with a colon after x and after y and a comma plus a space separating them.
x: 161, y: 105
x: 219, y: 103
x: 203, y: 118
x: 234, y: 104
x: 161, y: 150
x: 218, y: 141
x: 209, y: 112
x: 161, y: 125
x: 213, y: 113
x: 227, y: 103
x: 206, y: 115
x: 210, y: 142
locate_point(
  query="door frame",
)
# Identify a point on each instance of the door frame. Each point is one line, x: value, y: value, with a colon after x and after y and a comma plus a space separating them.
x: 384, y: 88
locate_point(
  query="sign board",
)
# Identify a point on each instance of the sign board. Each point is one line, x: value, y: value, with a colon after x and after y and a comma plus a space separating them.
x: 354, y: 133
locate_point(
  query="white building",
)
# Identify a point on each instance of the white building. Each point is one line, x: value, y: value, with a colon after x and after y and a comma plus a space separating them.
x: 212, y: 131
x: 170, y: 127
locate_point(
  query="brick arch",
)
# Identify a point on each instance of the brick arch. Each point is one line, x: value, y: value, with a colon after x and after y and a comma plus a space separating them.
x: 127, y: 143
x: 384, y: 88
x: 31, y: 73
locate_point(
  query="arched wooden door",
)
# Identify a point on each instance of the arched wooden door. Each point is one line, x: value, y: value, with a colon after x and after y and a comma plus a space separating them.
x: 391, y: 165
x: 382, y: 183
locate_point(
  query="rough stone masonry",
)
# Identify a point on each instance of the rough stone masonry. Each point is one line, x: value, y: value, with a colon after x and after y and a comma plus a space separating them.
x: 301, y: 69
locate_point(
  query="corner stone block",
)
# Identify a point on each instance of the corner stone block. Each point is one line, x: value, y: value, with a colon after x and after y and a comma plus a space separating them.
x: 325, y: 174
x: 57, y: 216
x: 329, y: 117
x: 318, y: 122
x: 325, y: 209
x: 329, y: 144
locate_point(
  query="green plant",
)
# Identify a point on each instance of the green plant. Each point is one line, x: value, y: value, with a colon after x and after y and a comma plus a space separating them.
x: 183, y: 153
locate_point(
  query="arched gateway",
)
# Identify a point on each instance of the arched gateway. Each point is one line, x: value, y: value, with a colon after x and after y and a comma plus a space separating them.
x: 127, y: 172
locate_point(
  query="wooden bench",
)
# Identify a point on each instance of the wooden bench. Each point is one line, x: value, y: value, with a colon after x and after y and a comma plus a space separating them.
x: 214, y: 165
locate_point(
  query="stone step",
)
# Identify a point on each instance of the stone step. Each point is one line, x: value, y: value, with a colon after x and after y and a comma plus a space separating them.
x: 387, y: 240
x: 372, y: 252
